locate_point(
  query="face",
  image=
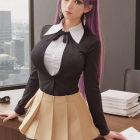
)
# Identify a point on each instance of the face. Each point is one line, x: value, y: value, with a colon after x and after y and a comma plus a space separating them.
x: 75, y: 7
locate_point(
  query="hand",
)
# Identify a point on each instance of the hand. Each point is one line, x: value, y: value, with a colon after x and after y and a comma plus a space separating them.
x: 10, y: 113
x: 112, y: 135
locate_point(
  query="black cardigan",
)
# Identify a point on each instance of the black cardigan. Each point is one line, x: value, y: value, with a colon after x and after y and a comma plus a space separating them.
x: 75, y: 59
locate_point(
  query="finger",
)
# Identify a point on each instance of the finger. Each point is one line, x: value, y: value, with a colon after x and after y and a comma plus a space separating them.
x: 1, y: 114
x: 4, y: 114
x: 119, y: 134
x: 6, y: 119
x: 120, y: 137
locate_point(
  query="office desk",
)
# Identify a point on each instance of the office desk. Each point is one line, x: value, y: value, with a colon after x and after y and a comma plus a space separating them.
x: 9, y: 129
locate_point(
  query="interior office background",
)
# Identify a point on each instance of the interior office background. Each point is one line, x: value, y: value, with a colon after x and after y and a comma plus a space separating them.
x: 118, y: 29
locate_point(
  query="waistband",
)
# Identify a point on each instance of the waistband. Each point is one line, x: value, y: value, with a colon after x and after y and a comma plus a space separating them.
x: 58, y: 99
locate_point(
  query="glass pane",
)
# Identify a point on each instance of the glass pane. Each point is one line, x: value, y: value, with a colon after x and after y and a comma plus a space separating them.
x: 14, y: 42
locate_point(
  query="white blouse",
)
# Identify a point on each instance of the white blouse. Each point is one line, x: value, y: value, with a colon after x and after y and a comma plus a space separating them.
x: 54, y: 51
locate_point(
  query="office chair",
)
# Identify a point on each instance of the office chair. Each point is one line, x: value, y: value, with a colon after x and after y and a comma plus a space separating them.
x: 132, y: 81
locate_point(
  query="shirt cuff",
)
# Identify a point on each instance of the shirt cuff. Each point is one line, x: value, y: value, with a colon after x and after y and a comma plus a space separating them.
x: 19, y: 110
x: 104, y: 131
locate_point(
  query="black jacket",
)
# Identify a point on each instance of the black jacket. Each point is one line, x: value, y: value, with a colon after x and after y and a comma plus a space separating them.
x: 75, y: 59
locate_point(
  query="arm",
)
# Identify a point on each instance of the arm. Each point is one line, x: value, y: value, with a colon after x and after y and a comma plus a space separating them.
x: 92, y: 90
x: 30, y: 89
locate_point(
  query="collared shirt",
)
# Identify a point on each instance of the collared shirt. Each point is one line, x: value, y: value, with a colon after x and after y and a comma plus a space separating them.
x: 79, y: 56
x: 54, y: 52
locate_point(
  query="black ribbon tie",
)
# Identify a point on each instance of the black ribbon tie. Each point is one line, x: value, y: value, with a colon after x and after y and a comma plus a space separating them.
x: 58, y: 34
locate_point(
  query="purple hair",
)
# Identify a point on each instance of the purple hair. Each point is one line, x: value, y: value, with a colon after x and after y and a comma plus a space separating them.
x: 93, y: 26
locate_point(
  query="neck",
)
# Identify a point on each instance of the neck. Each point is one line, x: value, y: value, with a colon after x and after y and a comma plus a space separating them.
x: 69, y: 23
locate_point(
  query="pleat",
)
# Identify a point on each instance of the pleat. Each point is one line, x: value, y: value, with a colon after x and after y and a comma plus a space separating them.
x: 32, y: 113
x: 30, y: 101
x: 44, y: 129
x: 87, y: 108
x: 30, y: 133
x: 74, y: 126
x: 89, y: 131
x: 29, y: 104
x: 60, y: 122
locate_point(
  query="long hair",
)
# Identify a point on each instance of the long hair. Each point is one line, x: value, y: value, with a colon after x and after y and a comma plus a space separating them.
x: 93, y: 26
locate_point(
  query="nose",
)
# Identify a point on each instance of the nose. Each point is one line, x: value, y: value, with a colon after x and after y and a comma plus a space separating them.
x: 69, y: 5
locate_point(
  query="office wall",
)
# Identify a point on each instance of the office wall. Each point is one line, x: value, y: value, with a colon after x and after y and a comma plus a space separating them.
x: 44, y: 13
x: 117, y: 20
x: 118, y: 32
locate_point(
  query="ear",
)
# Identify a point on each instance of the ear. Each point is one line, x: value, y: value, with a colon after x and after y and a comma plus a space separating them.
x: 88, y: 8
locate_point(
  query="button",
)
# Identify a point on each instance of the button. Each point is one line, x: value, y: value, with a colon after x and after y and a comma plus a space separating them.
x: 53, y: 77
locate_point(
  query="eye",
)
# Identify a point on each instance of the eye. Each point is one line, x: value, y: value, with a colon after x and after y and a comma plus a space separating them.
x: 79, y: 2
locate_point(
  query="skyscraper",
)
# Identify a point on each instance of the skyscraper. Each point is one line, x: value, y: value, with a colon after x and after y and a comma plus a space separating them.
x: 5, y: 29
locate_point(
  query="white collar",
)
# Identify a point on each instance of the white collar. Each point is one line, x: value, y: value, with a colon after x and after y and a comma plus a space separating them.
x: 76, y: 31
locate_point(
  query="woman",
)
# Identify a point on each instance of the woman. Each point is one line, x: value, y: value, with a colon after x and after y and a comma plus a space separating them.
x: 66, y: 73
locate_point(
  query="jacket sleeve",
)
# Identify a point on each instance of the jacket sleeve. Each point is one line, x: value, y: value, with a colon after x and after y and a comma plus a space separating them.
x: 92, y: 90
x: 31, y: 87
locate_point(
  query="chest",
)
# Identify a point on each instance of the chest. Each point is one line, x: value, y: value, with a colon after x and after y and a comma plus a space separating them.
x: 72, y: 55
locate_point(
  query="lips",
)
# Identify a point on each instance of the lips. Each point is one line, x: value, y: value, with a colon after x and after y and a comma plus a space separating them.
x: 68, y: 12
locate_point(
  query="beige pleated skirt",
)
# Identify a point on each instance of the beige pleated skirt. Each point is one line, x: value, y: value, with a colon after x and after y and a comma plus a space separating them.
x: 58, y: 118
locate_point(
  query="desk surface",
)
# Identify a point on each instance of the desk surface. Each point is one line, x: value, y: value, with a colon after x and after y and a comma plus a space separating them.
x: 115, y: 122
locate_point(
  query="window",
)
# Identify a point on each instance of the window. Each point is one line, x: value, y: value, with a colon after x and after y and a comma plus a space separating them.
x: 14, y: 43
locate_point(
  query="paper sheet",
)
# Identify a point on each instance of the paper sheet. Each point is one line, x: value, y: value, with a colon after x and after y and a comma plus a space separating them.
x: 130, y: 133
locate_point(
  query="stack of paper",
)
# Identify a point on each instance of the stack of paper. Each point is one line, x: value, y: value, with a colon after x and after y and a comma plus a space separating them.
x: 130, y: 133
x: 120, y: 103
